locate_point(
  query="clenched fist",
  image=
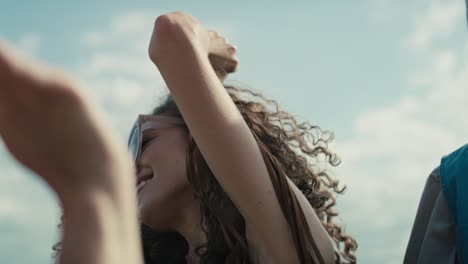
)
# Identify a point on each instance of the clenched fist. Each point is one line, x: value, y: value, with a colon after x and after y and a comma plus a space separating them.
x: 182, y: 30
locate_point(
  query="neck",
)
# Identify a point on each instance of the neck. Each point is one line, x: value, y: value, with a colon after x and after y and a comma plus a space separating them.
x: 184, y: 218
x: 188, y: 225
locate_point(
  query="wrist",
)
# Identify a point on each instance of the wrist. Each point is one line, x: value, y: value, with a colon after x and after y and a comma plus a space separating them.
x: 112, y: 189
x: 93, y: 198
x: 102, y: 229
x: 113, y: 178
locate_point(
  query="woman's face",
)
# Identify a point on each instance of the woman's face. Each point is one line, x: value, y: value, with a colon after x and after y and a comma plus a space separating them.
x: 163, y: 183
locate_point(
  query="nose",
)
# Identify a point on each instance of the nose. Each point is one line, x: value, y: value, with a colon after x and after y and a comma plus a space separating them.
x: 141, y: 167
x: 138, y: 168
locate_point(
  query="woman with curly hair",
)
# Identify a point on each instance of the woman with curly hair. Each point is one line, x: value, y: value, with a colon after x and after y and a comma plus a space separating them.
x: 289, y: 149
x: 223, y: 175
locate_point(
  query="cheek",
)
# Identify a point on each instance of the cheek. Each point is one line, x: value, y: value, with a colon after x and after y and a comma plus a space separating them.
x: 167, y: 158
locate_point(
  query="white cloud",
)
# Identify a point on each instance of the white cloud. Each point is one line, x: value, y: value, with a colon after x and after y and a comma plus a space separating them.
x: 133, y: 22
x: 439, y: 20
x: 130, y: 31
x: 442, y: 64
x: 386, y: 11
x: 93, y: 39
x: 29, y: 43
x: 125, y: 64
x: 9, y: 207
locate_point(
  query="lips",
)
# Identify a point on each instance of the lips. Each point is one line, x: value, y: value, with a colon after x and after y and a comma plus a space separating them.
x: 143, y: 179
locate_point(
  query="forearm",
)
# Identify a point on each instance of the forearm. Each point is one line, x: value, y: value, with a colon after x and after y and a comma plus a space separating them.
x: 101, y: 227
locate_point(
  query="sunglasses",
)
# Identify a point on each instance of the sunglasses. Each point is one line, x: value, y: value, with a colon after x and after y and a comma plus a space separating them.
x: 147, y: 122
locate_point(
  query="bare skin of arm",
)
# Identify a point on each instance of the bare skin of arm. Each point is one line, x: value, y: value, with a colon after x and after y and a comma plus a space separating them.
x: 180, y: 47
x: 55, y: 130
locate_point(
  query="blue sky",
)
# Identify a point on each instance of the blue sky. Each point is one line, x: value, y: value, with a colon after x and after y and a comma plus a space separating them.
x: 388, y: 77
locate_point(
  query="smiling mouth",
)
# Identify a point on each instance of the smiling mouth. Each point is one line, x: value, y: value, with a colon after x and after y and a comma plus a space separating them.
x: 142, y: 180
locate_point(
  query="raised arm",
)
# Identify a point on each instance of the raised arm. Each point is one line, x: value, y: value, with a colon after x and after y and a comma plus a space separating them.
x: 180, y: 48
x: 49, y: 126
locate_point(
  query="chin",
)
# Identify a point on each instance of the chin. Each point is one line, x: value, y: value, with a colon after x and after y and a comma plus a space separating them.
x: 153, y: 216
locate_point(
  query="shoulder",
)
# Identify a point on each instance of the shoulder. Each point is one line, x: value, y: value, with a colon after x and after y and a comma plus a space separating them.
x: 456, y: 159
x: 326, y: 250
x: 453, y: 165
x: 454, y: 176
x: 320, y: 236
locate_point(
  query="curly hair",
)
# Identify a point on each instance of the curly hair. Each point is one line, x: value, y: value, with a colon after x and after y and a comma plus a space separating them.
x: 290, y: 149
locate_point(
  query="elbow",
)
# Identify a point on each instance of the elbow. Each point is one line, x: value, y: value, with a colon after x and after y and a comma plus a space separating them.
x: 170, y: 34
x: 164, y: 31
x: 163, y: 25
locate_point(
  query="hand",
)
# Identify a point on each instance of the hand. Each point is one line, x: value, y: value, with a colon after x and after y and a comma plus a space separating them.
x: 222, y: 55
x: 183, y: 31
x: 54, y: 129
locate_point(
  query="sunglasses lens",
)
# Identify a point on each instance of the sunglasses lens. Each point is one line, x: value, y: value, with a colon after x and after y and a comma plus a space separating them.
x: 134, y: 143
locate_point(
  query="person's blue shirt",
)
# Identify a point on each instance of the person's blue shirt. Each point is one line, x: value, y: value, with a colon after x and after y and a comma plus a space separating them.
x: 454, y: 179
